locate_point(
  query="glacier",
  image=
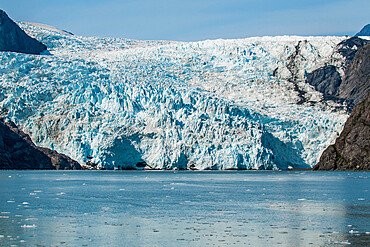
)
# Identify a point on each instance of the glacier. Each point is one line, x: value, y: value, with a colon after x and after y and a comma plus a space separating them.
x: 214, y: 104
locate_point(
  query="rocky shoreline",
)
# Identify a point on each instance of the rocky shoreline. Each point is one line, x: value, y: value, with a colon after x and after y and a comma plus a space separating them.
x: 17, y: 151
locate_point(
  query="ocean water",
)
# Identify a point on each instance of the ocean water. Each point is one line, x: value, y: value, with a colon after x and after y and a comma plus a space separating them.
x: 184, y: 208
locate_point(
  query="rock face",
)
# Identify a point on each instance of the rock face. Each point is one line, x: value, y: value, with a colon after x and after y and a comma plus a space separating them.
x: 365, y: 31
x: 356, y: 81
x: 329, y: 81
x: 326, y: 80
x: 349, y: 47
x: 14, y: 39
x: 352, y: 148
x: 17, y: 151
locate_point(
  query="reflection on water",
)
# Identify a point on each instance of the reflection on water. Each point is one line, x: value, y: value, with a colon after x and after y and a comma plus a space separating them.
x: 131, y: 208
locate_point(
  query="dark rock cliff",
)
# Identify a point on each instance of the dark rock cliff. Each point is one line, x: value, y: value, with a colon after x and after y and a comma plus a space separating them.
x: 349, y: 47
x: 17, y: 151
x: 14, y: 39
x: 329, y: 82
x: 356, y: 82
x: 326, y: 80
x: 351, y: 150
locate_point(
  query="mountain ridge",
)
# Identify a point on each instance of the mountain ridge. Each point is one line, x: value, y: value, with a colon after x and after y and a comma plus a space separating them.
x: 14, y: 39
x: 365, y: 31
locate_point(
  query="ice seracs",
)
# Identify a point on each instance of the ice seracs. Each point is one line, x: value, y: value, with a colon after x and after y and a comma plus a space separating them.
x: 215, y: 104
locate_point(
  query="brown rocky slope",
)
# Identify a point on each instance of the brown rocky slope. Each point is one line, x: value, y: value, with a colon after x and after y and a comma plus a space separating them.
x: 352, y: 148
x: 17, y: 151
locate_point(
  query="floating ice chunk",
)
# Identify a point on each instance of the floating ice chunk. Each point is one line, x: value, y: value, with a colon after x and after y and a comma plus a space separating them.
x: 29, y: 226
x: 346, y: 242
x: 30, y: 219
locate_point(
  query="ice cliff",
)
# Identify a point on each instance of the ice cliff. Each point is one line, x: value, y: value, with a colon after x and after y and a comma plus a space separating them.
x: 214, y: 104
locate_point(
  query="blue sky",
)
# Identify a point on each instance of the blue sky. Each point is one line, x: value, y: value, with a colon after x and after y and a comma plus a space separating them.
x: 191, y: 20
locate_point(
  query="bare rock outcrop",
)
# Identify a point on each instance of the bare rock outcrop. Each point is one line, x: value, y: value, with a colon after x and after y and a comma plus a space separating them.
x: 14, y: 39
x: 352, y: 148
x: 17, y: 151
x: 365, y: 31
x: 329, y: 82
x: 356, y: 81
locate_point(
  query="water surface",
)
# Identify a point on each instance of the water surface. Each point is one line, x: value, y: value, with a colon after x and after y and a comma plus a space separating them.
x: 166, y: 208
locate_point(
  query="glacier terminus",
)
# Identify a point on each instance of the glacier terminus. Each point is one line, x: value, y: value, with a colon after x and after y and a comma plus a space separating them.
x: 217, y: 104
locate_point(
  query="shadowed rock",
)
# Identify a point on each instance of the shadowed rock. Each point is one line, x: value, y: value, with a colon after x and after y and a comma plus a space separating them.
x: 349, y: 47
x: 14, y: 39
x: 17, y: 151
x: 365, y: 31
x: 354, y: 86
x: 356, y: 82
x: 326, y: 80
x: 352, y: 148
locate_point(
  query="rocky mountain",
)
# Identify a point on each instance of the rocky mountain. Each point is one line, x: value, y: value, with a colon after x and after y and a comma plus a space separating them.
x: 352, y: 148
x: 17, y: 151
x: 365, y: 31
x: 329, y: 79
x: 14, y: 39
x: 356, y: 81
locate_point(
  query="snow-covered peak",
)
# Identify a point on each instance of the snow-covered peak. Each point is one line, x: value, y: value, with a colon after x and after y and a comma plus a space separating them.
x: 50, y: 28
